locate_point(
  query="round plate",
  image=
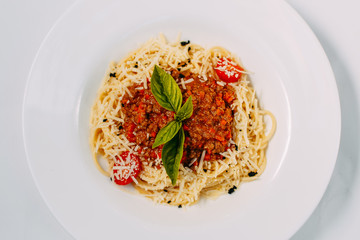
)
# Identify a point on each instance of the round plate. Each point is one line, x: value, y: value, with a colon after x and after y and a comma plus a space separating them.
x: 292, y: 77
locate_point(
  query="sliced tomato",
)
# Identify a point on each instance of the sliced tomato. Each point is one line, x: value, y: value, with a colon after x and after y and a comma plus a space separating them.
x: 126, y: 168
x: 228, y: 71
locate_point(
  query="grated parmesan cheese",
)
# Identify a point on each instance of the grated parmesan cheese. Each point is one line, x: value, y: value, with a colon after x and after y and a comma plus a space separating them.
x: 192, y: 162
x: 221, y: 175
x: 221, y: 83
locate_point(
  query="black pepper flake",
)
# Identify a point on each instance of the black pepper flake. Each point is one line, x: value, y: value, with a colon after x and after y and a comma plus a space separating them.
x: 110, y: 178
x: 120, y: 127
x: 240, y: 130
x: 189, y: 48
x: 184, y: 64
x: 251, y: 174
x: 165, y: 190
x: 227, y: 171
x: 181, y: 75
x: 179, y: 69
x: 136, y: 66
x: 189, y: 59
x: 236, y: 147
x: 179, y: 206
x: 252, y: 106
x: 118, y: 134
x: 169, y: 201
x: 205, y: 170
x: 112, y: 74
x: 224, y: 157
x: 184, y: 43
x: 249, y: 116
x: 231, y: 190
x: 123, y: 105
x: 104, y: 120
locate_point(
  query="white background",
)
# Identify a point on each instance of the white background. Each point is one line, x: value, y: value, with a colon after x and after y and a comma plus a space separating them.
x: 24, y: 24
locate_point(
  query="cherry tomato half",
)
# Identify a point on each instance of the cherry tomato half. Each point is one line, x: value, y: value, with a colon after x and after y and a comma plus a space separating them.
x: 126, y: 167
x: 228, y: 71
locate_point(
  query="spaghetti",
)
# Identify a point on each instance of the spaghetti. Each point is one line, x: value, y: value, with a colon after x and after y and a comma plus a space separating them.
x: 242, y: 160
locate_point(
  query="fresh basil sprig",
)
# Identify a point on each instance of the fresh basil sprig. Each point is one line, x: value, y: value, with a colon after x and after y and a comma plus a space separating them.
x: 167, y: 133
x: 185, y: 111
x: 168, y: 94
x: 171, y: 155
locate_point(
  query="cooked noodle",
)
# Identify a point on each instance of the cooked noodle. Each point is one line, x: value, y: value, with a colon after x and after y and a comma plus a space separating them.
x: 209, y: 178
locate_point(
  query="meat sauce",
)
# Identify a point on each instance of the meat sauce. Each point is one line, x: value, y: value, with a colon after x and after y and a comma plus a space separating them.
x: 209, y: 128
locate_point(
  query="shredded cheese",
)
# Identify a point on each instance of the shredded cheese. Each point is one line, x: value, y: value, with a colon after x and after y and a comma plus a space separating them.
x: 220, y: 175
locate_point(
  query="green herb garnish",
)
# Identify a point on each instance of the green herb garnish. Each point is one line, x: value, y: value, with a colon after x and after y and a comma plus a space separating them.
x: 185, y: 111
x: 171, y: 155
x: 167, y: 133
x: 168, y: 94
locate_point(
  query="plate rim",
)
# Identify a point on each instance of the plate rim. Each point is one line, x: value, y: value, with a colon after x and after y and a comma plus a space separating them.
x: 284, y: 4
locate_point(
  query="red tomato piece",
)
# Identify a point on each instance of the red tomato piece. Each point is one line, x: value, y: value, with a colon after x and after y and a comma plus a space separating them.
x: 220, y: 138
x: 130, y: 127
x: 228, y: 71
x: 228, y: 97
x: 126, y: 167
x: 153, y: 154
x: 183, y: 158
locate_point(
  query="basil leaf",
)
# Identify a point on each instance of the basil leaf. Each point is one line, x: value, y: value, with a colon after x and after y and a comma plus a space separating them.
x: 185, y: 111
x: 167, y: 133
x: 171, y: 155
x: 165, y: 90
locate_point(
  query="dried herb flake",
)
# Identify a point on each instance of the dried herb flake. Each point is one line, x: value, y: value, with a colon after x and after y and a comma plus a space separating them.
x: 251, y: 174
x: 231, y: 190
x: 184, y: 43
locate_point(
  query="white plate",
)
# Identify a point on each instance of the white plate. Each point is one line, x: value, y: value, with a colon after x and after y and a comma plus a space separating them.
x: 293, y: 79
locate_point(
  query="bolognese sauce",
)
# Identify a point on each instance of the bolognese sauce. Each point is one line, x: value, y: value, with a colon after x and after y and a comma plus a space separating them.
x: 209, y: 128
x: 223, y: 142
